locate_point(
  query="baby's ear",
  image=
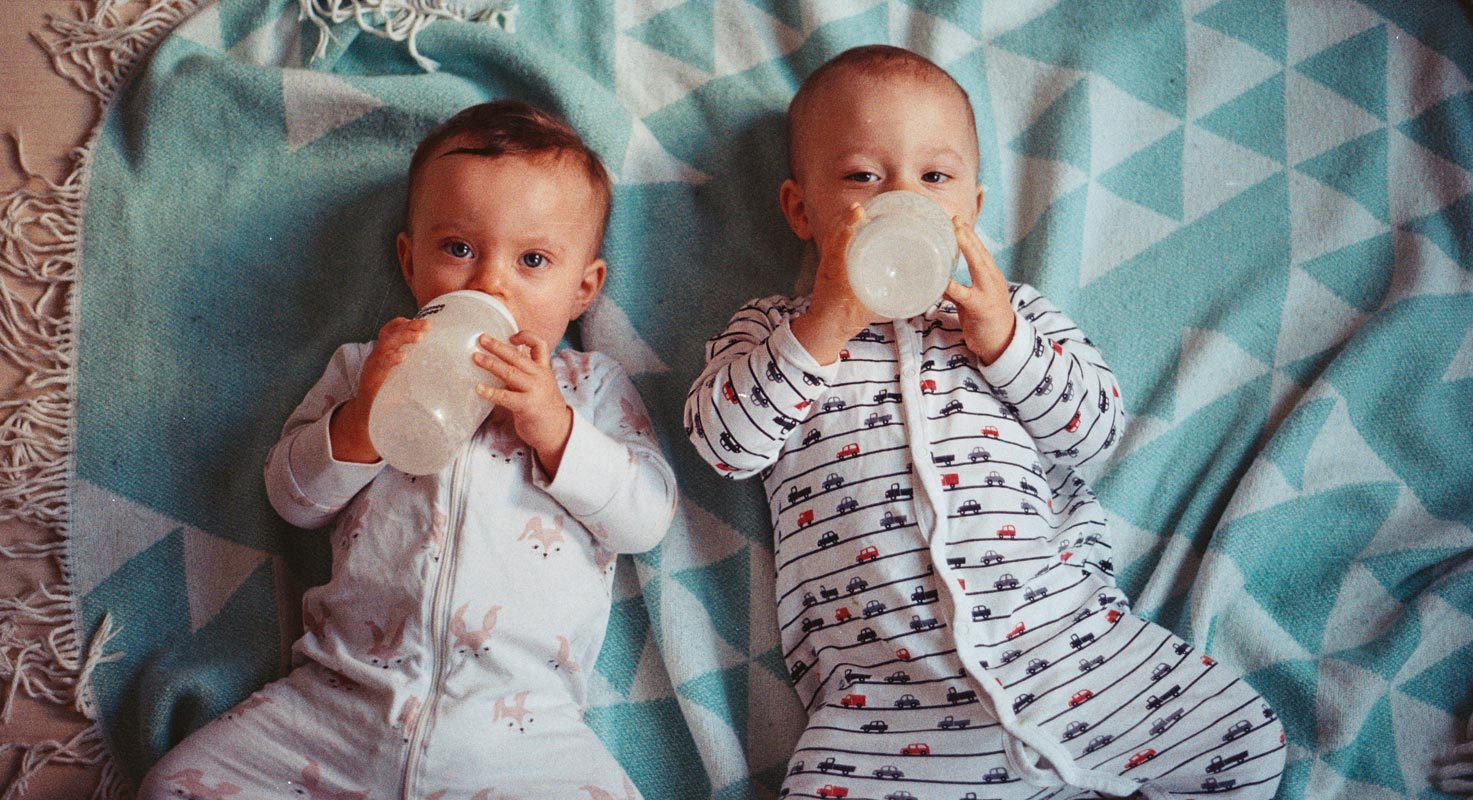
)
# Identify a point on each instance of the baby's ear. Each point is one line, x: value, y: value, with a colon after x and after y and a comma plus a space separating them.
x: 593, y: 280
x: 405, y: 248
x: 790, y: 196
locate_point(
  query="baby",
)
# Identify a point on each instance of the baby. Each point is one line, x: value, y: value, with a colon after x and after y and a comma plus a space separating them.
x: 944, y: 581
x: 449, y: 654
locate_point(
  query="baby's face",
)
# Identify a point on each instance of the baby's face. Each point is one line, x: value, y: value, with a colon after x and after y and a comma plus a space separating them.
x: 522, y: 229
x: 862, y: 136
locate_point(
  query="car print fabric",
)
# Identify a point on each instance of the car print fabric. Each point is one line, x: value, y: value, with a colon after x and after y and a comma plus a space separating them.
x: 944, y: 580
x: 449, y: 654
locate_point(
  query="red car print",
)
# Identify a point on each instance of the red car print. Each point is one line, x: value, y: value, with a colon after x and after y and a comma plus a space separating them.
x: 852, y: 701
x: 805, y: 518
x: 1066, y: 555
x: 1112, y: 616
x: 867, y: 554
x: 1140, y: 758
x: 726, y: 467
x: 1058, y: 348
x: 902, y: 654
x: 916, y: 749
x: 1073, y: 424
x: 1080, y: 696
x: 728, y: 392
x: 950, y: 480
x: 928, y: 386
x: 830, y: 790
x: 990, y: 431
x: 849, y: 450
x: 841, y: 615
x: 1017, y: 631
x: 844, y: 355
x: 1007, y: 532
x: 1207, y: 661
x: 803, y: 405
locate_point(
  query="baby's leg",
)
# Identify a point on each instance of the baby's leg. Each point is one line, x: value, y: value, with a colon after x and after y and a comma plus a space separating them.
x: 309, y: 733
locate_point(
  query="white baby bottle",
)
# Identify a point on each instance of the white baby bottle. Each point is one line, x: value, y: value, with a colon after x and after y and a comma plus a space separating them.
x: 428, y: 406
x: 903, y: 257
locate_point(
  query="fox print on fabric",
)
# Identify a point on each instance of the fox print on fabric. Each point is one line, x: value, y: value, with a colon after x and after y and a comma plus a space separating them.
x: 385, y: 651
x: 545, y: 540
x: 477, y: 641
x: 312, y: 784
x: 515, y: 712
x: 190, y: 783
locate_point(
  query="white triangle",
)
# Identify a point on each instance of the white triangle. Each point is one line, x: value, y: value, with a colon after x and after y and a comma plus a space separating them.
x: 1128, y: 544
x: 629, y: 13
x: 1242, y: 630
x: 1210, y: 366
x: 1314, y: 319
x: 747, y: 36
x: 1410, y: 526
x: 1424, y: 736
x: 818, y: 13
x: 1424, y: 182
x: 1436, y: 78
x: 203, y: 28
x: 1445, y: 631
x: 1345, y: 694
x: 1340, y: 456
x: 1000, y: 18
x: 1317, y: 118
x: 723, y: 753
x: 1461, y: 366
x: 275, y: 44
x: 929, y: 35
x: 1326, y: 782
x: 651, y: 681
x: 698, y: 539
x: 695, y: 647
x: 214, y: 569
x: 317, y: 104
x: 1363, y: 611
x: 1132, y: 229
x: 1215, y: 170
x: 1316, y: 26
x: 1262, y: 487
x: 1323, y: 219
x: 646, y: 80
x: 1141, y: 430
x: 609, y: 331
x: 1021, y: 90
x: 602, y: 692
x: 1040, y: 183
x: 1423, y: 270
x: 1121, y: 126
x: 647, y: 161
x: 107, y: 530
x: 1221, y: 68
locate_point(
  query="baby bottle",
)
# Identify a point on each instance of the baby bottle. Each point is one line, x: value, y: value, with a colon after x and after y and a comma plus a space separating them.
x: 428, y: 406
x: 902, y: 259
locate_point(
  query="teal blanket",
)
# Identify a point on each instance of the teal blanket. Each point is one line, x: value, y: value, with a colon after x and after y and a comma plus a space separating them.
x: 1258, y: 209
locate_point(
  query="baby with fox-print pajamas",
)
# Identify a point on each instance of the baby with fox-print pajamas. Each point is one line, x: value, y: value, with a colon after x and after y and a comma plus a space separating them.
x: 463, y: 616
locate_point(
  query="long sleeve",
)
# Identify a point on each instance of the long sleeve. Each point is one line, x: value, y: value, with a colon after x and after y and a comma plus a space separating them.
x: 304, y: 483
x: 758, y: 385
x: 613, y: 478
x: 1065, y: 396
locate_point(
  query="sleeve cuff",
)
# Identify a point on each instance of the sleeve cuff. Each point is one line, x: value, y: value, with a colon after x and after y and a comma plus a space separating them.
x: 591, y: 472
x: 790, y: 350
x: 320, y: 478
x: 1014, y: 356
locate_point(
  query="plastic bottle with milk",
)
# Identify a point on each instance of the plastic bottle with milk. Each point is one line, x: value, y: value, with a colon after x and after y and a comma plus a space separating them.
x: 428, y: 406
x: 901, y: 260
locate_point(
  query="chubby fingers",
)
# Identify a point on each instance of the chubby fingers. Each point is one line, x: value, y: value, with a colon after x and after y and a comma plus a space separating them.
x: 518, y: 363
x: 396, y: 334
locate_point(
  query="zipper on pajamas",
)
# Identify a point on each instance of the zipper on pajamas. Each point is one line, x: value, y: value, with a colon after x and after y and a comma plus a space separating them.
x: 439, y: 610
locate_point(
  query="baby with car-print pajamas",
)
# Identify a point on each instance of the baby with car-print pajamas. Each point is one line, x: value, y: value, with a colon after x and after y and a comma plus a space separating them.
x: 448, y: 656
x: 944, y: 579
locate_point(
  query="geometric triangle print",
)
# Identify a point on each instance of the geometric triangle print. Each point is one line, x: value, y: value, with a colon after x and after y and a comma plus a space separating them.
x: 1386, y: 655
x: 1291, y: 442
x: 1355, y: 68
x: 1359, y: 273
x: 607, y: 327
x: 1152, y: 177
x: 686, y: 31
x: 624, y: 642
x: 722, y: 691
x: 1441, y: 129
x: 653, y: 740
x: 1448, y: 228
x: 1357, y: 168
x: 1371, y: 758
x: 1255, y: 119
x: 1290, y: 688
x: 967, y: 16
x: 1406, y: 574
x: 1260, y: 23
x: 723, y: 589
x: 203, y: 28
x: 1460, y: 368
x: 1431, y: 685
x: 746, y: 36
x: 1061, y: 132
x: 274, y: 44
x: 316, y: 103
x: 213, y: 569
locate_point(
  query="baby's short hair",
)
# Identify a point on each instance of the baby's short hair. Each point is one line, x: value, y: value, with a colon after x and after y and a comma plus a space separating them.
x: 512, y: 127
x: 871, y: 60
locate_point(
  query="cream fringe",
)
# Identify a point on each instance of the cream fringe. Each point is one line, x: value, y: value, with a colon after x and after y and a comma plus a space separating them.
x: 40, y: 249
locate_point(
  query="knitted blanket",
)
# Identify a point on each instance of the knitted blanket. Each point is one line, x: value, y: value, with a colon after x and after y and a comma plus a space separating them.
x: 1257, y: 209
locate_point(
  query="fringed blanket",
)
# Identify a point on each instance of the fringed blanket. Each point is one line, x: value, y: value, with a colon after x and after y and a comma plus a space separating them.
x: 1258, y: 209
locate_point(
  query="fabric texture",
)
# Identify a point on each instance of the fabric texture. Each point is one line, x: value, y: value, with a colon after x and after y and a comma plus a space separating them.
x: 1257, y: 208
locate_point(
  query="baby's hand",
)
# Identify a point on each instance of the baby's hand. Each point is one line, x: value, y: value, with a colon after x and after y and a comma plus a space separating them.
x: 834, y: 315
x: 348, y: 428
x: 530, y: 393
x: 985, y: 308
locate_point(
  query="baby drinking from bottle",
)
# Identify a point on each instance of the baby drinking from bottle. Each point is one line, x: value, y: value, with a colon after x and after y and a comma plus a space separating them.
x: 944, y: 580
x: 449, y: 654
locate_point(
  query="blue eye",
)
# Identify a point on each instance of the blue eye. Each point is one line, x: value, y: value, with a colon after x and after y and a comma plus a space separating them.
x: 862, y: 177
x: 458, y: 249
x: 533, y: 260
x: 934, y: 177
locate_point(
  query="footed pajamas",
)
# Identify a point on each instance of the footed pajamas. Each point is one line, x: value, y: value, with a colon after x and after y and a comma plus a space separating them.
x: 449, y: 654
x: 944, y: 579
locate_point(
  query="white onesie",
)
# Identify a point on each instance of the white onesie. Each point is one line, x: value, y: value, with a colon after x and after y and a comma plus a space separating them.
x: 944, y: 578
x: 449, y: 654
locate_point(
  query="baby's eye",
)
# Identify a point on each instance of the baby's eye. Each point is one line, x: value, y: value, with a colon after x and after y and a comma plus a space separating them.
x: 458, y: 249
x: 862, y: 177
x: 934, y: 177
x: 533, y: 260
